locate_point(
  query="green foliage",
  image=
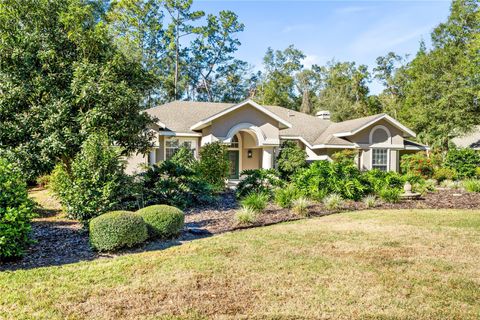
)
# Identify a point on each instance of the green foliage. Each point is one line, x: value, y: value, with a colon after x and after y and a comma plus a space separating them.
x: 163, y: 221
x: 246, y: 215
x: 390, y: 195
x: 346, y: 157
x: 450, y: 184
x: 285, y: 196
x: 291, y: 159
x: 472, y: 185
x: 62, y: 78
x: 214, y: 165
x: 300, y: 206
x: 94, y: 183
x: 322, y: 178
x: 477, y: 172
x: 16, y: 211
x: 418, y: 163
x: 258, y: 181
x: 444, y: 174
x: 116, y: 230
x: 170, y: 183
x: 255, y: 201
x: 333, y: 201
x: 184, y: 157
x: 43, y: 180
x: 370, y: 201
x: 463, y: 161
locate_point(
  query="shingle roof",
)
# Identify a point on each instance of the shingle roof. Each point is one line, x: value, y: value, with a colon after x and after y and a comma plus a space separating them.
x: 179, y: 116
x: 470, y: 140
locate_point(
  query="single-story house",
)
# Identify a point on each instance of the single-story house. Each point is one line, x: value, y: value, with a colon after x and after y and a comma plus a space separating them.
x: 469, y: 140
x: 254, y: 133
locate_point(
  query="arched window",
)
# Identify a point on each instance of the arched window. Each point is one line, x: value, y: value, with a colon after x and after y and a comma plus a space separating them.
x: 380, y: 134
x: 234, y: 142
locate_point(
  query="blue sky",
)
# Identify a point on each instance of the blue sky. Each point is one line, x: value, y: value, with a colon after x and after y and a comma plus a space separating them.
x: 357, y: 31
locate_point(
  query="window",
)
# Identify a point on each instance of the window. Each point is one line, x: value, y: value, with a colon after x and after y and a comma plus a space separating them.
x: 380, y: 159
x: 234, y: 143
x: 172, y: 145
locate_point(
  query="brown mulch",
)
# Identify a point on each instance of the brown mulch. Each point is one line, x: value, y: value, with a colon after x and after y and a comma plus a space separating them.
x: 61, y: 241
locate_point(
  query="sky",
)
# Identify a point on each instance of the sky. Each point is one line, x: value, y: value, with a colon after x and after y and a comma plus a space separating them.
x: 357, y: 31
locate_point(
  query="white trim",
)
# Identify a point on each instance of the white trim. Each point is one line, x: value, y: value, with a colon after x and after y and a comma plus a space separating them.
x: 388, y: 157
x: 384, y: 116
x: 194, y: 145
x: 320, y: 146
x: 420, y: 146
x: 261, y: 138
x: 380, y: 127
x: 179, y: 134
x: 205, y: 122
x: 161, y: 124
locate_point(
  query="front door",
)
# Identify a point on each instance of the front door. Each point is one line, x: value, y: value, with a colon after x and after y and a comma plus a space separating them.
x: 233, y: 157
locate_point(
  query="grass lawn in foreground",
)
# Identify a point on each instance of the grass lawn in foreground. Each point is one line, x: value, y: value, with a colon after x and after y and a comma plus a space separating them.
x: 421, y: 264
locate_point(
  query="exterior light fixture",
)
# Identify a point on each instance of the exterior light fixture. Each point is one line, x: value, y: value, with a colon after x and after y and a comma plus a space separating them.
x: 249, y: 153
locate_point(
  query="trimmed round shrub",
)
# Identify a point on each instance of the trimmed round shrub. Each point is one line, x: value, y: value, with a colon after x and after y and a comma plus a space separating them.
x: 163, y: 221
x: 117, y: 229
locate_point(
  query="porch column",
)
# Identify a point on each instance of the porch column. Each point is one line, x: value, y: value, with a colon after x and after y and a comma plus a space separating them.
x: 267, y: 158
x: 152, y: 157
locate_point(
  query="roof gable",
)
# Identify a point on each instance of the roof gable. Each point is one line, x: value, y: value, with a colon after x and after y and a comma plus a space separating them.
x: 356, y: 125
x: 207, y: 121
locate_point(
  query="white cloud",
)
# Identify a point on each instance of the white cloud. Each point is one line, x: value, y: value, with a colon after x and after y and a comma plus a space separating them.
x: 311, y: 59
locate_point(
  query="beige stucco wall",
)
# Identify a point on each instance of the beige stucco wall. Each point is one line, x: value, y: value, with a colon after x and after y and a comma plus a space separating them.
x: 134, y: 163
x: 248, y: 142
x: 363, y: 136
x: 246, y: 114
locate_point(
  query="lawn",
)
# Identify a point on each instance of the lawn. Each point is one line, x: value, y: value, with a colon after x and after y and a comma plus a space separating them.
x: 403, y: 264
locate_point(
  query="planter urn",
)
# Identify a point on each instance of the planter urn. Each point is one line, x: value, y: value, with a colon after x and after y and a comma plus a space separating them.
x: 407, y: 188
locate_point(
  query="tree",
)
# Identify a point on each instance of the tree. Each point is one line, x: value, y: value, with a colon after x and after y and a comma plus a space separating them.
x: 442, y: 92
x: 277, y: 85
x: 291, y: 159
x: 63, y: 78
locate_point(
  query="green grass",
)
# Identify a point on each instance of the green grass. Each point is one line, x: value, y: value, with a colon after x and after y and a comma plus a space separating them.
x: 408, y: 264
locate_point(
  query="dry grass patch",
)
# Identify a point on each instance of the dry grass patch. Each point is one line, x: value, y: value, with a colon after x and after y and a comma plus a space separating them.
x: 370, y: 264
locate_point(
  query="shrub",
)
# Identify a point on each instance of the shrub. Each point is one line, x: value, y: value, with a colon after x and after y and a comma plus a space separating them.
x: 43, y: 180
x: 449, y: 184
x: 390, y: 195
x: 214, y: 165
x: 258, y: 181
x: 284, y: 197
x: 163, y: 221
x: 174, y: 184
x: 444, y: 174
x: 346, y: 157
x: 323, y: 177
x: 16, y: 212
x: 291, y: 158
x: 379, y: 180
x: 370, y: 201
x: 184, y: 157
x: 300, y: 206
x: 472, y: 185
x: 333, y: 201
x: 117, y: 229
x: 245, y: 215
x: 418, y: 164
x: 463, y: 161
x: 94, y: 184
x: 477, y: 172
x: 255, y: 201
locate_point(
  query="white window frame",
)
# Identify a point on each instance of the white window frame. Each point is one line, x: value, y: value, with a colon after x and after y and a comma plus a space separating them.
x: 180, y: 140
x: 372, y: 156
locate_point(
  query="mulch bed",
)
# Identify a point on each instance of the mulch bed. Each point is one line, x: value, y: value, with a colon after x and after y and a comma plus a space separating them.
x: 60, y: 241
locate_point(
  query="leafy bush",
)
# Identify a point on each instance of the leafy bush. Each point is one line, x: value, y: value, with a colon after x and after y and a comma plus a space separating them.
x: 379, y: 180
x: 390, y: 195
x: 370, y: 201
x: 43, y: 180
x: 291, y: 158
x: 255, y: 201
x: 184, y: 157
x: 95, y: 183
x: 245, y: 215
x: 463, y: 161
x: 163, y: 221
x: 413, y: 178
x: 323, y: 177
x: 214, y: 165
x: 117, y: 229
x: 285, y: 197
x: 472, y: 185
x: 258, y: 181
x: 444, y: 174
x: 333, y: 201
x: 16, y: 211
x: 418, y: 163
x: 173, y: 184
x: 346, y: 157
x: 300, y: 206
x: 477, y: 172
x: 449, y: 184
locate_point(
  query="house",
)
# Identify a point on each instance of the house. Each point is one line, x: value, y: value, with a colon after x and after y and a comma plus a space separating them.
x: 469, y: 140
x: 254, y: 133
